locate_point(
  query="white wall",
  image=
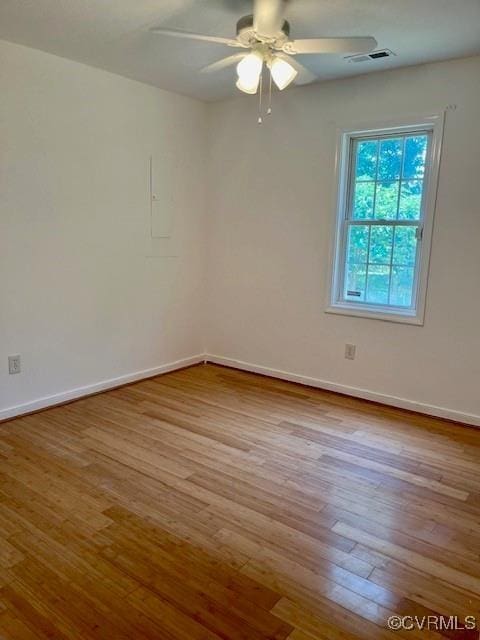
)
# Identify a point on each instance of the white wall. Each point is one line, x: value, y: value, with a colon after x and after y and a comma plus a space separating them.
x: 80, y: 299
x: 88, y: 300
x: 271, y: 203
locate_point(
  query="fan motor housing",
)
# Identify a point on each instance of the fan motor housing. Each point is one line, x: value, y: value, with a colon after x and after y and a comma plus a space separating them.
x: 246, y: 33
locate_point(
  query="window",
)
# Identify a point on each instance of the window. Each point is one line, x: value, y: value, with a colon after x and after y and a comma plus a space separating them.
x: 387, y: 187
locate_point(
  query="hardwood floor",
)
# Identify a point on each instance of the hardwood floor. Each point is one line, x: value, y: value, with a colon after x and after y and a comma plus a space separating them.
x: 211, y: 503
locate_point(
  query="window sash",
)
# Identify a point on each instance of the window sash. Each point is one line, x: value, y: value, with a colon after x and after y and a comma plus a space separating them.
x: 350, y: 178
x: 418, y: 225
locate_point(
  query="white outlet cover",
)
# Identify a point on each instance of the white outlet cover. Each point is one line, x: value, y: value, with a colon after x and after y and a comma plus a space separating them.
x: 350, y: 351
x: 14, y: 364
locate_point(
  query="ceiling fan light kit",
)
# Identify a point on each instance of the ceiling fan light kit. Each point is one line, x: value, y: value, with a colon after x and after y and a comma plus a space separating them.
x: 266, y: 34
x: 250, y: 68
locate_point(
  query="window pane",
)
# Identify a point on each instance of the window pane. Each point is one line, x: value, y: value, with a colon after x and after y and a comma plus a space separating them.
x: 378, y: 281
x: 402, y: 286
x: 363, y: 200
x: 380, y: 245
x: 386, y: 201
x: 415, y: 154
x: 405, y: 246
x: 390, y: 159
x: 366, y: 161
x: 357, y: 246
x: 410, y: 200
x: 355, y: 282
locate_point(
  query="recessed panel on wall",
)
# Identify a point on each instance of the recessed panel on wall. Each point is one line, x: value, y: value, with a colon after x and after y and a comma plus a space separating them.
x: 167, y: 192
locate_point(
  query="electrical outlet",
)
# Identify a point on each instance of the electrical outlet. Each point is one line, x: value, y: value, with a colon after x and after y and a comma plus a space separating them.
x: 14, y: 364
x: 350, y: 350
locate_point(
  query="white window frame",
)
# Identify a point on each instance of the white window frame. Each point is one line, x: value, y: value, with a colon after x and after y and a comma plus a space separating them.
x: 335, y: 302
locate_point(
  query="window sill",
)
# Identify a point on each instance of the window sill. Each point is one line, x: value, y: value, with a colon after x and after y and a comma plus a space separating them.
x: 372, y: 313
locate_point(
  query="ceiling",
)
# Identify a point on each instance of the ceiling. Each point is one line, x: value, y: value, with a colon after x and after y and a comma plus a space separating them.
x: 113, y: 34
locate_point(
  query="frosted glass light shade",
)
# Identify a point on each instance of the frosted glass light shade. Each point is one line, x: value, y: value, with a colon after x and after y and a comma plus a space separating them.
x: 282, y: 73
x: 249, y: 70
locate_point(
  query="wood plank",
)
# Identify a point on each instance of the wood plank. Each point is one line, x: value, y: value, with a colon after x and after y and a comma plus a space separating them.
x: 212, y: 504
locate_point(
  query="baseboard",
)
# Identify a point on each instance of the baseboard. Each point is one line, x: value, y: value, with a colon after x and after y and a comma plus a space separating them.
x: 357, y: 392
x: 88, y: 390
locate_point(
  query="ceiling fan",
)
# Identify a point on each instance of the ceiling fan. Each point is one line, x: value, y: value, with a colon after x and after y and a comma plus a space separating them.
x: 266, y: 36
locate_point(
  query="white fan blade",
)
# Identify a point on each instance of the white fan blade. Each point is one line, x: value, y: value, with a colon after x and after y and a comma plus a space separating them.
x: 224, y: 63
x: 331, y: 45
x: 196, y: 36
x: 305, y: 76
x: 268, y: 17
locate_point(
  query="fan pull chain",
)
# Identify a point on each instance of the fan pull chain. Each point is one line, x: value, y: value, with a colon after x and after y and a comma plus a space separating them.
x: 260, y: 119
x: 269, y: 110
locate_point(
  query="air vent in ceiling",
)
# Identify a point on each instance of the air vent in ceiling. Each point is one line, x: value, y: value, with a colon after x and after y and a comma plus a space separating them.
x: 374, y: 55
